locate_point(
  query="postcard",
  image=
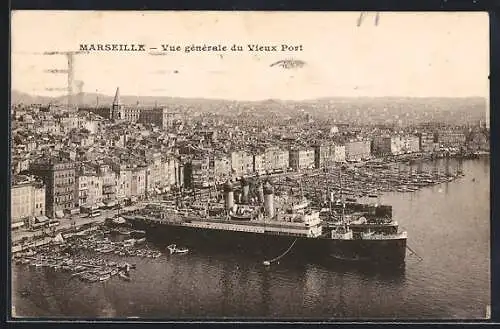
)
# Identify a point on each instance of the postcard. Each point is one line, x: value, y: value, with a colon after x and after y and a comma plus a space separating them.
x: 250, y: 166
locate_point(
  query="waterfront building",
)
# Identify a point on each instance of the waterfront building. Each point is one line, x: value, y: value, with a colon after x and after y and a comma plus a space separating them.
x: 259, y: 164
x: 59, y: 179
x: 242, y: 163
x: 123, y: 182
x: 197, y: 172
x: 339, y: 153
x: 455, y: 138
x: 89, y: 191
x: 270, y: 159
x: 81, y: 192
x: 27, y: 199
x: 108, y: 182
x: 428, y: 141
x: 324, y: 155
x: 358, y: 150
x: 411, y: 144
x: 138, y: 182
x: 478, y: 140
x: 154, y: 174
x: 276, y: 159
x: 384, y: 145
x: 173, y: 172
x: 394, y: 145
x: 130, y: 180
x: 301, y: 158
x: 220, y: 165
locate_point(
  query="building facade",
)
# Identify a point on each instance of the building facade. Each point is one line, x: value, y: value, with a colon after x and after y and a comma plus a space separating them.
x: 324, y: 155
x: 158, y: 116
x: 428, y: 141
x: 454, y: 138
x: 108, y: 182
x: 339, y: 153
x: 301, y: 158
x: 138, y: 182
x: 358, y: 150
x: 276, y: 159
x: 89, y: 190
x: 221, y: 165
x: 173, y: 172
x: 155, y: 180
x: 59, y: 179
x: 197, y: 172
x: 27, y: 198
x: 242, y: 163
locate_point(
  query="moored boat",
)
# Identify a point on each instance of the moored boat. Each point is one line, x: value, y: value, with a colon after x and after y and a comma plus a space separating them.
x: 173, y: 249
x: 124, y: 276
x: 105, y: 277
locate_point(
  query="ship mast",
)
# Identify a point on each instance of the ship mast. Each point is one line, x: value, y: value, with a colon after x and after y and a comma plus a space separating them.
x: 301, y: 191
x: 328, y: 191
x: 342, y: 199
x: 329, y: 196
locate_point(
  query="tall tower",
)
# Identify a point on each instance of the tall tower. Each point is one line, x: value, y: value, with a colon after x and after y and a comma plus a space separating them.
x: 117, y: 112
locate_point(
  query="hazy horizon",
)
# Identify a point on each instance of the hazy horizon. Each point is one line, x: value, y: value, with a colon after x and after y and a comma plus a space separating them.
x: 111, y: 96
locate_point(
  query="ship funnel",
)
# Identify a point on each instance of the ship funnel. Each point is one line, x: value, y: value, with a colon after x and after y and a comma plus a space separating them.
x: 228, y: 195
x: 245, y: 186
x: 260, y: 193
x: 269, y: 200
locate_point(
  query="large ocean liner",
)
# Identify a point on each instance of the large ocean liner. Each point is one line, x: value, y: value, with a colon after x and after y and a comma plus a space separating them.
x: 272, y: 226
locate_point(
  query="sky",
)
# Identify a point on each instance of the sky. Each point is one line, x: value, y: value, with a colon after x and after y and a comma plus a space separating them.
x: 406, y: 54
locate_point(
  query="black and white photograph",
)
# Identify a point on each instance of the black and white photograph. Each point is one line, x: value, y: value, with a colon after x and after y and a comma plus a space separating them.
x: 250, y: 166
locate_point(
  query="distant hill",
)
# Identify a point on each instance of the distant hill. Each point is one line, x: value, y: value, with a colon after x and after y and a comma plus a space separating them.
x: 17, y: 97
x: 381, y: 110
x: 90, y: 99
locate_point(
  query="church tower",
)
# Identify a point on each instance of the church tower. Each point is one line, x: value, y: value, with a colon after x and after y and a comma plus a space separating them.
x: 117, y: 111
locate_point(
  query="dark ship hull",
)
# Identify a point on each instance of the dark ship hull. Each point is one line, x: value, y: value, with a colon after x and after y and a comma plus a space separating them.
x: 270, y: 246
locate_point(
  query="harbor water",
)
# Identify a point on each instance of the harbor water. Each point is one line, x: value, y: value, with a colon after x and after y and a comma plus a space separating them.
x: 448, y: 228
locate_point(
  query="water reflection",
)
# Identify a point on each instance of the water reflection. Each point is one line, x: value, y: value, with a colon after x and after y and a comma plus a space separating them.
x: 448, y: 229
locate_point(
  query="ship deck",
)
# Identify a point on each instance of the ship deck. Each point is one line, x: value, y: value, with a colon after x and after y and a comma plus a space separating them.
x: 183, y: 220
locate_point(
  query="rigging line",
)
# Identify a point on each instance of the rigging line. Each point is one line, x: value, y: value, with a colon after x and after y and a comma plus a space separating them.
x: 413, y: 252
x: 282, y: 255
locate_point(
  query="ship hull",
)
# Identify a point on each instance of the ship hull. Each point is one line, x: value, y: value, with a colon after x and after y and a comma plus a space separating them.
x: 270, y: 246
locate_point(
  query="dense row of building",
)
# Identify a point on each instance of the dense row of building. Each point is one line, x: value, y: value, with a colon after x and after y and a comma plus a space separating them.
x: 100, y: 156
